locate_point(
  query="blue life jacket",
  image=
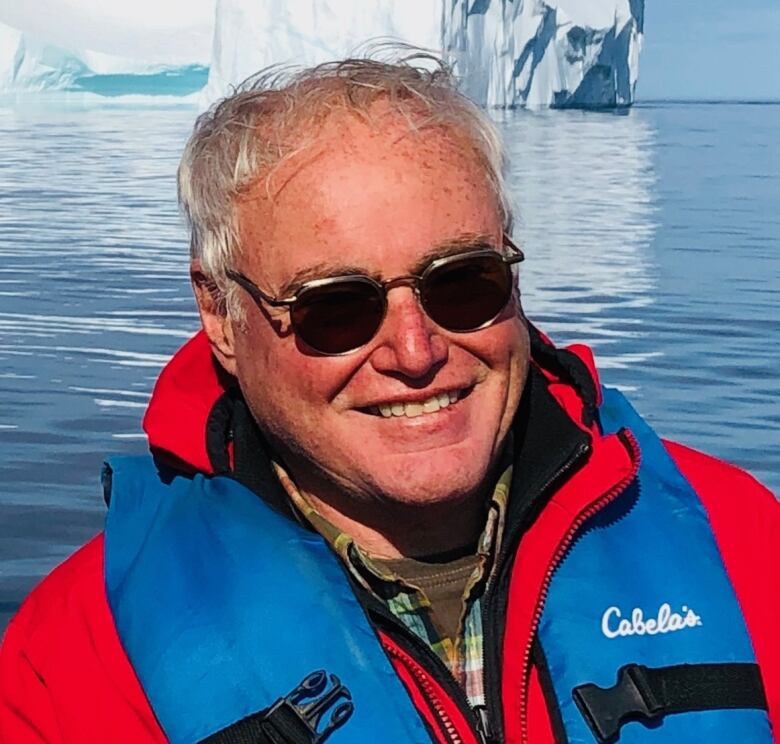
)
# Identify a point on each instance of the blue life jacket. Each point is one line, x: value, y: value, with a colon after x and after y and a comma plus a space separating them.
x: 223, y: 606
x: 642, y: 588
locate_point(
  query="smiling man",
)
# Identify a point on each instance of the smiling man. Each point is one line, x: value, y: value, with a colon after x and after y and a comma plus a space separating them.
x: 382, y: 506
x: 377, y: 205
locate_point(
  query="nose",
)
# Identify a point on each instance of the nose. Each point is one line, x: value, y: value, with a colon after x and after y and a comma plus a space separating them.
x: 409, y: 343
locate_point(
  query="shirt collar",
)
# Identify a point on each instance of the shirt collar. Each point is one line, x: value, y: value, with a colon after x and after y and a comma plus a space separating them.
x: 378, y: 579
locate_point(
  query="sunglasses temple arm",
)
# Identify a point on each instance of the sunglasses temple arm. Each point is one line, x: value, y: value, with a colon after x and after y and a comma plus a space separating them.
x: 256, y: 292
x: 519, y: 255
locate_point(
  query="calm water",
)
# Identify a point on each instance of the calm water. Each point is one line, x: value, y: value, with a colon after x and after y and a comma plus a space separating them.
x: 654, y: 236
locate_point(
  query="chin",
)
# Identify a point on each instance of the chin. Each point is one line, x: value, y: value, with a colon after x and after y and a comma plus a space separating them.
x: 425, y: 483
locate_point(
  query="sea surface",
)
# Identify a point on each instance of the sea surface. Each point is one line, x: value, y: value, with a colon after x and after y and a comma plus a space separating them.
x: 653, y: 235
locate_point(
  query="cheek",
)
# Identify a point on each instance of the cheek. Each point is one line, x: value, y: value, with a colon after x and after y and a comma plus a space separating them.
x: 505, y: 345
x: 277, y: 378
x: 519, y: 344
x: 508, y: 354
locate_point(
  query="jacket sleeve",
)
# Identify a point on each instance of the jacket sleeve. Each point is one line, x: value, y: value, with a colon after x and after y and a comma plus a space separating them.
x: 745, y: 518
x: 64, y: 676
x: 26, y: 712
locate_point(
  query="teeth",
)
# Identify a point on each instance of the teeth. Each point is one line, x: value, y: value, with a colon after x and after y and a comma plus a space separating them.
x: 412, y: 410
x: 431, y: 405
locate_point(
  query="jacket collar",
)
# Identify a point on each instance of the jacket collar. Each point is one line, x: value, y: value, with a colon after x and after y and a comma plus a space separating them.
x: 183, y: 400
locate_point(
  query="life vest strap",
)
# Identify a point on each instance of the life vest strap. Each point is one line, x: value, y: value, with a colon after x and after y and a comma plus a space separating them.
x: 648, y: 694
x: 309, y: 714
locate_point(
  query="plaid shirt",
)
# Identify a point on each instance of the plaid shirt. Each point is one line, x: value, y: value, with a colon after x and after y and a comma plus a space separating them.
x: 464, y: 656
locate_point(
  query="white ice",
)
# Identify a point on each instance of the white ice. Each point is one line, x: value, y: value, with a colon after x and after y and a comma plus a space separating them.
x: 538, y: 53
x: 252, y: 34
x: 534, y: 53
x: 508, y: 53
x: 47, y: 44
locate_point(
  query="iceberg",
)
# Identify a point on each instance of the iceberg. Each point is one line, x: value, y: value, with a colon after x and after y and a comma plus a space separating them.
x: 106, y: 48
x: 546, y: 53
x: 507, y: 53
x: 250, y: 35
x: 37, y: 65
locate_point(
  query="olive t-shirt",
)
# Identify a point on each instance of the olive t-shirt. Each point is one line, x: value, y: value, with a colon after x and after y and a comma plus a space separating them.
x: 443, y: 582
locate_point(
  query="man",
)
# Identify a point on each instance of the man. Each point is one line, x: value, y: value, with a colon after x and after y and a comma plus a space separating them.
x: 382, y: 506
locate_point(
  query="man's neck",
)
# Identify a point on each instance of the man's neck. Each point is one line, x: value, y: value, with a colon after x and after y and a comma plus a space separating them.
x: 404, y: 531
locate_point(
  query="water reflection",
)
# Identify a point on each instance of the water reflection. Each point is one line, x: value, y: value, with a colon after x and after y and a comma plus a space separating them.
x: 93, y: 299
x: 583, y: 184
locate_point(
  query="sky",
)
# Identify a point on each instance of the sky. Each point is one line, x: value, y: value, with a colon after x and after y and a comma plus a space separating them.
x: 710, y: 49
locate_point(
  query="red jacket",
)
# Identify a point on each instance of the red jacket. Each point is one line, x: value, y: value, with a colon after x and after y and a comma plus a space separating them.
x: 64, y: 676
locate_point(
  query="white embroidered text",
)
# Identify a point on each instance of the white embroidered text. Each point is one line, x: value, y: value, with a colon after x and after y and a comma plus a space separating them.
x: 614, y: 625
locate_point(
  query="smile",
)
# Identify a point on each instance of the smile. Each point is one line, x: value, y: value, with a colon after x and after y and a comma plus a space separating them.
x: 413, y: 409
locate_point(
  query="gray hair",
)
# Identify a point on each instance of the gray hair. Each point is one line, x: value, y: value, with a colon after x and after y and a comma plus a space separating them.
x: 275, y: 113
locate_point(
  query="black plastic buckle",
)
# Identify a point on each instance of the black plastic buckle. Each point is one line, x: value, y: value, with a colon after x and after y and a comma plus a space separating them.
x: 607, y: 709
x: 296, y: 717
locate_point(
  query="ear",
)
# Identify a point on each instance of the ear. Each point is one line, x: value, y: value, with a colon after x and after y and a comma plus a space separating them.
x: 214, y: 317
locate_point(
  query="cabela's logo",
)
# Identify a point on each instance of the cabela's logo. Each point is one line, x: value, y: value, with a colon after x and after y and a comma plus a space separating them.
x: 615, y: 625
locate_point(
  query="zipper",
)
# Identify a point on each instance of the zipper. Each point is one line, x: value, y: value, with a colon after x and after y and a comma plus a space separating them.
x: 484, y: 728
x: 628, y: 438
x: 437, y: 671
x: 493, y: 710
x: 423, y: 679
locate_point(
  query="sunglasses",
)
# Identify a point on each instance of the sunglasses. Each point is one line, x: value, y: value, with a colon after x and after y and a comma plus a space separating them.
x: 463, y: 292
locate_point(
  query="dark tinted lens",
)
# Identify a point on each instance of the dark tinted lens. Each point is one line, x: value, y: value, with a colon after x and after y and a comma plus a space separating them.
x: 338, y: 317
x: 466, y: 293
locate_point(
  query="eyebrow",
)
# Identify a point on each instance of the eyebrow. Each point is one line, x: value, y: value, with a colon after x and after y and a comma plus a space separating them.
x: 461, y: 243
x: 319, y: 271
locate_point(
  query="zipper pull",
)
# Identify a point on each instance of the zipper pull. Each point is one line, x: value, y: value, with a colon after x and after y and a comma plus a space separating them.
x: 483, y: 725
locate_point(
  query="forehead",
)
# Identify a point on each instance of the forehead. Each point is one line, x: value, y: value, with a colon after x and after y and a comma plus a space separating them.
x: 373, y: 195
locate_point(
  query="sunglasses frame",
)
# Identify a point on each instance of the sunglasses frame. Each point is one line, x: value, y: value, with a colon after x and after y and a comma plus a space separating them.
x: 382, y: 287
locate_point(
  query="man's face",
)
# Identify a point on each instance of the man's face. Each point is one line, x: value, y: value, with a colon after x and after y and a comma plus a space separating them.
x: 376, y: 202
